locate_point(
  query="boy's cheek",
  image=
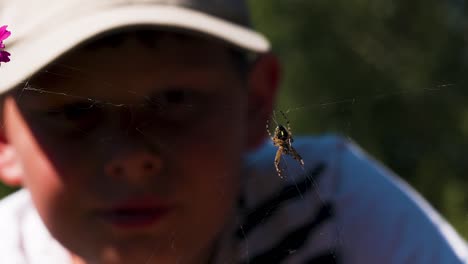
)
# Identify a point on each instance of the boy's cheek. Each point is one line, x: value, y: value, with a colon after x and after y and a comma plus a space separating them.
x: 39, y: 175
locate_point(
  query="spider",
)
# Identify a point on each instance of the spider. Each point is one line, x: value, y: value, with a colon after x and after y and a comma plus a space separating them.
x: 282, y: 139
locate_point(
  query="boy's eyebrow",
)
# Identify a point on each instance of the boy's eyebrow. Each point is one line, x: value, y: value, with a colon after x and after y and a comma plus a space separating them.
x: 59, y: 99
x: 54, y: 70
x: 61, y: 69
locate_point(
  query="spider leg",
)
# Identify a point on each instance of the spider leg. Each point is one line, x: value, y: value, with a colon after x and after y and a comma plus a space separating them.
x: 268, y: 128
x: 287, y: 121
x: 269, y: 132
x: 296, y: 156
x: 277, y: 162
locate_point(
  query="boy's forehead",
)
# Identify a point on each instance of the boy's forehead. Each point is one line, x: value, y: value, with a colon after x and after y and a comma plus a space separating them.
x: 162, y: 46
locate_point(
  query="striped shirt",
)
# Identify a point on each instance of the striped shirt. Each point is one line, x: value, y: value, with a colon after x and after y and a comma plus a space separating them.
x: 342, y: 207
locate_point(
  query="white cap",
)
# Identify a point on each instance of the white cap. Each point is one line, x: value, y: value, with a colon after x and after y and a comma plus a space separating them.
x: 42, y: 30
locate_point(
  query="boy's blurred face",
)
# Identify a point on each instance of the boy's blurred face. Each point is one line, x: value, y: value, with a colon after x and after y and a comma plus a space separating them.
x: 132, y: 153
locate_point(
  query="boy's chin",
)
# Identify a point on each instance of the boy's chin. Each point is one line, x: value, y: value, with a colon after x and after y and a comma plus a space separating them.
x: 138, y: 255
x: 142, y: 250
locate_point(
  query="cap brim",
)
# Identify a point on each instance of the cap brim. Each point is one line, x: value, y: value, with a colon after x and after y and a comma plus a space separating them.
x: 40, y: 48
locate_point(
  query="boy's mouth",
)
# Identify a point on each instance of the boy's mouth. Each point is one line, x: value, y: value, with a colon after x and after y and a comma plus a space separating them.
x: 134, y: 214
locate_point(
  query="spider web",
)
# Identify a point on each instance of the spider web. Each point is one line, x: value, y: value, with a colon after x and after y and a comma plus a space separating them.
x: 290, y: 112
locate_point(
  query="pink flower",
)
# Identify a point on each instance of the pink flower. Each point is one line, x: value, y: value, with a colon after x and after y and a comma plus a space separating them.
x: 4, y: 56
x: 4, y: 34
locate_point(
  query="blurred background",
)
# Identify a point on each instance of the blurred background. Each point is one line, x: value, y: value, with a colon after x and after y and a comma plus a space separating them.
x: 389, y: 74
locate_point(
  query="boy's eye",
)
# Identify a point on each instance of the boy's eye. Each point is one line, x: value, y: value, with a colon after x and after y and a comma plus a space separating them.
x: 73, y: 111
x: 79, y: 113
x: 172, y: 98
x: 177, y: 104
x: 176, y: 97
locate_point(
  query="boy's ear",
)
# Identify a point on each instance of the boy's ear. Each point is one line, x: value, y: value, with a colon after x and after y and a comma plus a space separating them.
x: 11, y: 172
x: 263, y: 84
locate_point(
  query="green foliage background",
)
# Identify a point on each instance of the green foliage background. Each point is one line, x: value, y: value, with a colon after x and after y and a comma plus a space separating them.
x: 390, y: 74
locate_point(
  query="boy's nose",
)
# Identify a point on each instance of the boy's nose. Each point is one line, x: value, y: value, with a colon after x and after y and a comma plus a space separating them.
x: 137, y: 165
